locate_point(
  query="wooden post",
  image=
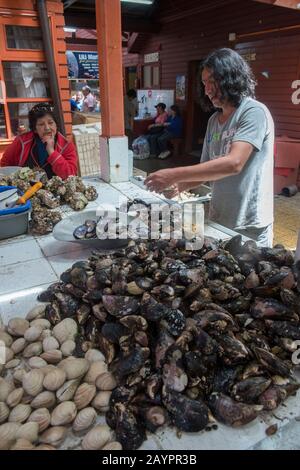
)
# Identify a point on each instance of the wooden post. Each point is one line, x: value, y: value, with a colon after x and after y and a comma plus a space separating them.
x: 114, y: 158
x: 108, y: 20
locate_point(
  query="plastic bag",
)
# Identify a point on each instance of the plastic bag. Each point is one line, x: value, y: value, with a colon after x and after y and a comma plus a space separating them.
x: 140, y: 148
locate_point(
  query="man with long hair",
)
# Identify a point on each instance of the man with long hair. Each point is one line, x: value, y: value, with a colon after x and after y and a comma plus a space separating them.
x: 237, y: 154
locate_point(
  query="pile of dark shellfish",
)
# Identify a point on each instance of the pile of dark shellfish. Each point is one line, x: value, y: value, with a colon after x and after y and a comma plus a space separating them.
x: 189, y: 335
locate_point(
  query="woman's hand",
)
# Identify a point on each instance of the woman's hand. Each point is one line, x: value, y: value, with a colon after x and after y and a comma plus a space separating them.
x: 160, y: 180
x: 50, y: 143
x: 151, y: 125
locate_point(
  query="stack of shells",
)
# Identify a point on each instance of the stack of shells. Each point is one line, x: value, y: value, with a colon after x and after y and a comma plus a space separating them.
x: 47, y: 394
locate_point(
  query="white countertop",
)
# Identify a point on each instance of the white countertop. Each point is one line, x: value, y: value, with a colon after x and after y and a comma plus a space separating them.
x: 29, y: 264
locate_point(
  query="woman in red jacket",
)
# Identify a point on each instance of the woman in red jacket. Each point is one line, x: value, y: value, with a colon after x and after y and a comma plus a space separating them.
x: 43, y: 147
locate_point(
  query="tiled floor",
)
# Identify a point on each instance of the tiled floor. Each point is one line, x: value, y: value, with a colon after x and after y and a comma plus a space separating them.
x: 287, y: 220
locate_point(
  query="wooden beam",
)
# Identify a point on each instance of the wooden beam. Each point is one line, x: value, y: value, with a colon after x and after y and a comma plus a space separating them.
x: 87, y: 20
x: 132, y: 41
x: 108, y: 20
x: 87, y: 42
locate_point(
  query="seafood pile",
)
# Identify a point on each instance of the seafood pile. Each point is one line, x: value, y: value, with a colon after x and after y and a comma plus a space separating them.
x: 55, y: 193
x: 190, y: 336
x: 48, y: 397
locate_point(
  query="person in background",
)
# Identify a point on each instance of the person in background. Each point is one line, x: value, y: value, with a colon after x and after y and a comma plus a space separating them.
x: 97, y: 98
x: 43, y: 147
x: 157, y: 128
x: 89, y: 101
x: 130, y: 112
x: 173, y: 129
x: 238, y: 151
x: 79, y: 99
x: 74, y: 105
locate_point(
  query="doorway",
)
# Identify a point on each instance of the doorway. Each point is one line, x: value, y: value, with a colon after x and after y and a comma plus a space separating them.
x: 130, y: 78
x: 197, y: 118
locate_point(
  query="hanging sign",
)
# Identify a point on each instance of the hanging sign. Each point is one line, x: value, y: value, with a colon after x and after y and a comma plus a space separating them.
x: 83, y: 65
x: 153, y: 57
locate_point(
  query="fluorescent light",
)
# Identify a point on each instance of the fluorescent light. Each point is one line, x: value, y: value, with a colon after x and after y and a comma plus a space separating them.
x: 69, y: 30
x: 144, y: 2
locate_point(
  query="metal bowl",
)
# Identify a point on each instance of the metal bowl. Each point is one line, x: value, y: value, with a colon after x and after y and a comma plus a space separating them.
x: 63, y: 231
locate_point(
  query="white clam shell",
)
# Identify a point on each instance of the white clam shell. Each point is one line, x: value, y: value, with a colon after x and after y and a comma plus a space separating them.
x: 12, y: 364
x: 45, y: 334
x: 15, y: 397
x: 84, y: 419
x: 106, y: 382
x: 33, y: 349
x: 96, y: 368
x: 6, y: 339
x: 53, y: 356
x: 33, y: 333
x: 84, y: 395
x: 101, y: 401
x: 44, y: 400
x: 75, y: 368
x: 67, y: 348
x: 18, y: 345
x: 36, y: 362
x: 65, y: 330
x: 33, y: 382
x: 54, y: 436
x: 48, y: 368
x: 36, y: 312
x: 50, y: 343
x: 18, y: 376
x: 9, y: 355
x: 93, y: 355
x: 17, y: 326
x: 114, y: 445
x: 4, y: 412
x: 67, y: 391
x: 8, y: 433
x: 42, y: 417
x: 20, y: 413
x: 28, y: 431
x: 6, y: 386
x: 42, y: 322
x: 96, y: 438
x: 54, y: 379
x: 22, y: 444
x: 64, y: 413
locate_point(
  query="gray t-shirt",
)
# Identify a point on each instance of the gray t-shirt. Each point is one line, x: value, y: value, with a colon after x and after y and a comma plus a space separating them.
x: 245, y: 200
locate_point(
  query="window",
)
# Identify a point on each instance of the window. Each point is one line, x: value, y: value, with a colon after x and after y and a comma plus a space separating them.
x: 151, y: 76
x: 23, y: 37
x: 3, y: 133
x: 23, y: 70
x: 26, y: 79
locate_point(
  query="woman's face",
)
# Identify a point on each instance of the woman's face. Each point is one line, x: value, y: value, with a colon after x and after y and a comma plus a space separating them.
x: 160, y: 110
x: 46, y: 126
x: 172, y: 113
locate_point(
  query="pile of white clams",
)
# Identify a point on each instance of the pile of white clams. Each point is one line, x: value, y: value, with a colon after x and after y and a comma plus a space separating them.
x: 50, y: 399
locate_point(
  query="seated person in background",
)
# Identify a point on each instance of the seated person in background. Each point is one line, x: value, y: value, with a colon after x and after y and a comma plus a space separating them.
x: 172, y: 129
x: 79, y: 99
x: 74, y: 105
x: 43, y: 147
x: 89, y: 101
x: 161, y: 116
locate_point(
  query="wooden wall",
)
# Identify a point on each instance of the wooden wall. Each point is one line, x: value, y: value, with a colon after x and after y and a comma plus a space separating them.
x: 18, y: 11
x: 186, y: 38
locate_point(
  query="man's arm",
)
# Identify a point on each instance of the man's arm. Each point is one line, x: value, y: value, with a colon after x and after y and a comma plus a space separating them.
x: 213, y: 170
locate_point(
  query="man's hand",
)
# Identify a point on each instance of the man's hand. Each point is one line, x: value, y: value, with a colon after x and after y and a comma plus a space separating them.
x: 151, y: 125
x: 160, y: 180
x: 50, y: 143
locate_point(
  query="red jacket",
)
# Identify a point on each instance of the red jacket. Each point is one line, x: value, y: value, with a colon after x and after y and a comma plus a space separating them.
x: 63, y: 160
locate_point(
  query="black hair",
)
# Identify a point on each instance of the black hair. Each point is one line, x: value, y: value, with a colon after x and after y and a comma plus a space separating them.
x: 233, y: 75
x: 131, y: 93
x: 176, y: 109
x: 38, y: 111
